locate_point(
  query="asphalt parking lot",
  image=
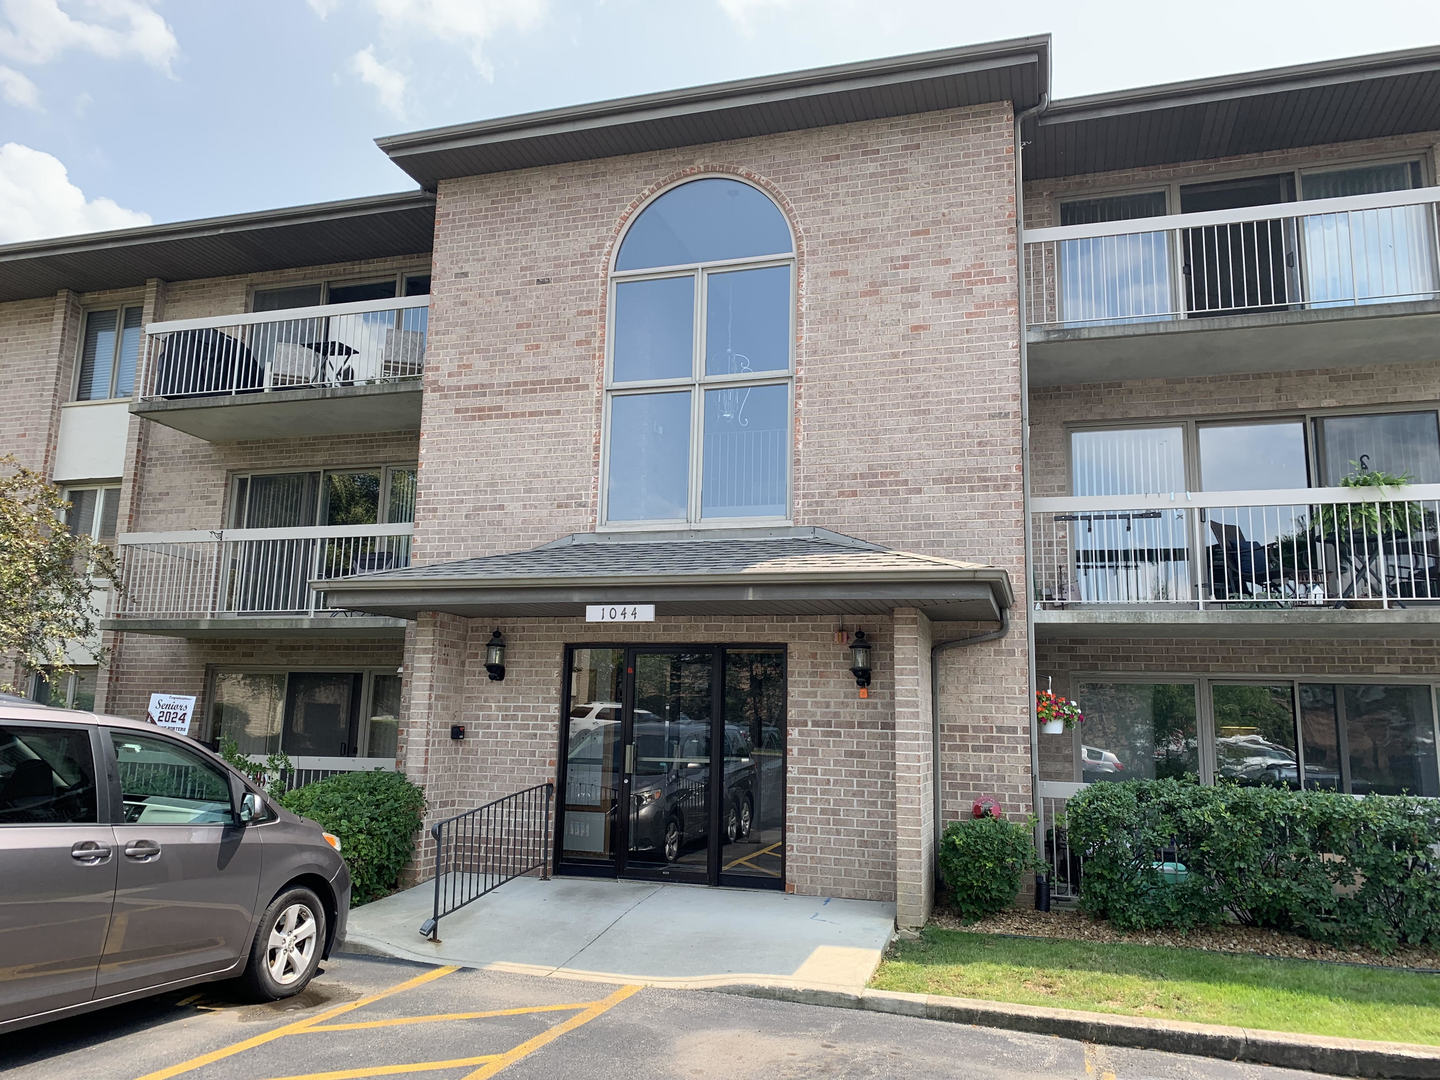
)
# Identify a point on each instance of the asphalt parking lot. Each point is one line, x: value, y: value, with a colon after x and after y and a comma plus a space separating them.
x: 368, y: 1017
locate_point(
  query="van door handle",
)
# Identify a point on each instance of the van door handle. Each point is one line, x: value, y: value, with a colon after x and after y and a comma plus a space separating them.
x: 142, y: 850
x: 90, y: 853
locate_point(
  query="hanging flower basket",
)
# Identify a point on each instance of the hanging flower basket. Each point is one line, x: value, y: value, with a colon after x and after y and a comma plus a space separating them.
x: 1055, y: 714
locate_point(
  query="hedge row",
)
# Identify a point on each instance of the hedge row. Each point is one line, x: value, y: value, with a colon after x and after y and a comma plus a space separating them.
x: 1169, y: 853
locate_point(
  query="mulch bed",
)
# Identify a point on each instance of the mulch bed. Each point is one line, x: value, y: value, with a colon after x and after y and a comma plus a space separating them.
x: 1076, y: 926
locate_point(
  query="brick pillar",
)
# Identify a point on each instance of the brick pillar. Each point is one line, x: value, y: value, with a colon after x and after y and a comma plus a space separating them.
x: 914, y: 771
x: 434, y: 694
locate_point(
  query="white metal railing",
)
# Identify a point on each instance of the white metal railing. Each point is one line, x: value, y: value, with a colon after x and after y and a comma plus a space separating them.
x: 1063, y: 866
x: 249, y: 572
x: 1319, y: 253
x: 1287, y: 548
x: 370, y: 341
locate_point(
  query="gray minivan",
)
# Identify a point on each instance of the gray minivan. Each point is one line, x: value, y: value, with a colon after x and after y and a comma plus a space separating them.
x: 134, y: 861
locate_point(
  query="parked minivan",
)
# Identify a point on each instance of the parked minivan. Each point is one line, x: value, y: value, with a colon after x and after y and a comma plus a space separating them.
x: 134, y: 861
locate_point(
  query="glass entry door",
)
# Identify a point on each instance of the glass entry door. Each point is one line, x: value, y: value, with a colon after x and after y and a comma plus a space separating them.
x: 673, y: 764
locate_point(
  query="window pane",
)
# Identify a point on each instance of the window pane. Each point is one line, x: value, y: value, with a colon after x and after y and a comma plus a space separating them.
x: 384, y: 716
x: 370, y: 290
x: 97, y: 356
x: 352, y: 498
x: 1403, y: 444
x: 1127, y: 461
x: 47, y: 688
x: 591, y: 779
x: 747, y: 317
x: 747, y: 452
x: 109, y: 513
x: 401, y: 504
x: 129, y: 353
x: 1138, y: 731
x: 46, y: 777
x: 248, y: 708
x: 649, y: 457
x: 85, y: 680
x: 754, y: 763
x: 654, y: 329
x: 702, y: 221
x: 1320, y: 730
x: 1391, y: 740
x: 320, y: 714
x: 81, y: 516
x: 1109, y: 279
x: 279, y: 501
x: 417, y: 285
x: 292, y: 297
x: 1252, y: 457
x: 1255, y: 734
x: 165, y: 784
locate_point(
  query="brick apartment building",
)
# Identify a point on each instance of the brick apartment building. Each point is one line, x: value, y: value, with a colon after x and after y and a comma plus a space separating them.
x: 780, y: 360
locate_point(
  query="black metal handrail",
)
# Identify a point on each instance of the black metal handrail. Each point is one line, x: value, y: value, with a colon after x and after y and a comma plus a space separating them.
x: 478, y: 851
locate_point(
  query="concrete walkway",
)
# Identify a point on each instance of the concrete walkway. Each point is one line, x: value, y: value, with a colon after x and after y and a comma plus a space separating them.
x: 630, y: 931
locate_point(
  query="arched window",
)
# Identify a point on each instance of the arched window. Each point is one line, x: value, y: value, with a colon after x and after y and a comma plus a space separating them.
x: 698, y: 383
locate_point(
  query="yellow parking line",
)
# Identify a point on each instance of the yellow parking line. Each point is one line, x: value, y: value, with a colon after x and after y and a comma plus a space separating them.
x: 358, y: 1024
x: 528, y: 1047
x: 391, y: 1070
x: 290, y: 1029
x: 754, y: 854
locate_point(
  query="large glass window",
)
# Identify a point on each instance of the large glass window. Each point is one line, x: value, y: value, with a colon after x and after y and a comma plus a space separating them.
x: 1106, y: 280
x: 1255, y: 732
x: 94, y: 512
x: 308, y: 713
x: 1138, y: 731
x: 1399, y: 443
x: 109, y: 354
x: 699, y: 398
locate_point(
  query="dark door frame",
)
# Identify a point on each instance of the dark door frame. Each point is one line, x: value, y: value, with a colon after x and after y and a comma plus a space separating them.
x: 618, y: 865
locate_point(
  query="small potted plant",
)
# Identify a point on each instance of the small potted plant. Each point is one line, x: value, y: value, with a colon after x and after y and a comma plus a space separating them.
x: 1056, y: 714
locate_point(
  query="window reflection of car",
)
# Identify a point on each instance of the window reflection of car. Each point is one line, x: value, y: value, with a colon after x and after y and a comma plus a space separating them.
x: 1098, y: 764
x: 672, y: 773
x: 1287, y: 774
x: 1252, y: 759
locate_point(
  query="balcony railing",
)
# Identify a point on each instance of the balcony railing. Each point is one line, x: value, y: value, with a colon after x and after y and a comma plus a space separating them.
x: 1322, y: 253
x: 1270, y: 549
x: 373, y: 341
x: 249, y: 572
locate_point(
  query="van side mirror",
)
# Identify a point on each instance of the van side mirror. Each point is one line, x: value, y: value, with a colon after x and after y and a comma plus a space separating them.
x: 250, y: 807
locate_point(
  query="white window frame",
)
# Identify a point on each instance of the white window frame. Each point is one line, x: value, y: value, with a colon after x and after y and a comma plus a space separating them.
x: 106, y: 494
x: 63, y: 696
x: 119, y: 310
x: 697, y: 382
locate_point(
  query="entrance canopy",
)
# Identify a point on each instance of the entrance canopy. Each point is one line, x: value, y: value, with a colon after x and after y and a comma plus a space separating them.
x: 740, y: 572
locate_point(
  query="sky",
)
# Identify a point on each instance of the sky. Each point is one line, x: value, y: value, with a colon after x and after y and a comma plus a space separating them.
x: 122, y: 112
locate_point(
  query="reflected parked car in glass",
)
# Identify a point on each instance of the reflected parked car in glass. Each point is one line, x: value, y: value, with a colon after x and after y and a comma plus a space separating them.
x: 134, y: 861
x: 1099, y: 764
x: 672, y: 773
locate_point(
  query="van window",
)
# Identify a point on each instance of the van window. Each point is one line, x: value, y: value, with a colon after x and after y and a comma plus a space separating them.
x: 47, y: 776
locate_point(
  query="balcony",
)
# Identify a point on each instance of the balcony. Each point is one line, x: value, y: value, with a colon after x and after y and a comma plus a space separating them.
x: 1319, y: 561
x: 1283, y: 287
x: 331, y: 370
x: 240, y: 582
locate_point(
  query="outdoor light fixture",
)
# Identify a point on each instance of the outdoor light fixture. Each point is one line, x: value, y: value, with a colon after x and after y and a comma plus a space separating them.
x: 860, y: 659
x: 495, y: 657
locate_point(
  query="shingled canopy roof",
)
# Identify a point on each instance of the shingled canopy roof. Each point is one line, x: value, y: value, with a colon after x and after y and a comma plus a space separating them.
x: 752, y: 572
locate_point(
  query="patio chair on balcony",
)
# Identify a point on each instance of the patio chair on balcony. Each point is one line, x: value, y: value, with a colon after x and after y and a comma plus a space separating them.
x: 205, y: 361
x: 1238, y: 567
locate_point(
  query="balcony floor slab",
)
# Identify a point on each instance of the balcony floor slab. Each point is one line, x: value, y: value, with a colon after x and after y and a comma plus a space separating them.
x: 337, y: 625
x: 1306, y: 622
x: 1235, y: 344
x: 276, y: 414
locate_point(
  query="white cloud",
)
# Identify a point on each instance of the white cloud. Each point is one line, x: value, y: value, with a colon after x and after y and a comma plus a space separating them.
x: 389, y: 84
x: 470, y: 22
x: 744, y: 11
x: 37, y: 31
x: 40, y: 200
x: 323, y: 8
x: 16, y: 89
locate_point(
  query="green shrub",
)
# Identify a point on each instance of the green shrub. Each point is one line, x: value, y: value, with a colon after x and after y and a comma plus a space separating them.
x: 376, y: 816
x: 1320, y: 864
x: 270, y: 774
x: 982, y: 862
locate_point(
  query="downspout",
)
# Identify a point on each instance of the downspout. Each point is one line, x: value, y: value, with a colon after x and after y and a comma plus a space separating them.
x: 935, y: 651
x: 1020, y: 119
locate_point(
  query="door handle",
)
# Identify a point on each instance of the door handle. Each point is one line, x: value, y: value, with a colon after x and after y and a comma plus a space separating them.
x: 90, y: 853
x: 629, y: 760
x: 142, y: 850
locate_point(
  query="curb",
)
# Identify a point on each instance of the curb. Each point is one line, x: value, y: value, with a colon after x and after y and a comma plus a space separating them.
x: 1316, y: 1053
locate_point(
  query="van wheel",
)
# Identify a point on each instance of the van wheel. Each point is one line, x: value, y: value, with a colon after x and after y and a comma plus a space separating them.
x: 287, y: 946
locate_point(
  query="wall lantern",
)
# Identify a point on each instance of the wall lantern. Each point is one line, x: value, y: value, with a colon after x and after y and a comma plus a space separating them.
x: 495, y: 657
x: 860, y: 659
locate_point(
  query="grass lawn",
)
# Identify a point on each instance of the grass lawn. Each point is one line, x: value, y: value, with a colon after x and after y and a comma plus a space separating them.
x: 1178, y: 984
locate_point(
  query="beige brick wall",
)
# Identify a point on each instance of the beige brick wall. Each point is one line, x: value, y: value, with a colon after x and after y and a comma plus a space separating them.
x: 906, y: 433
x: 1042, y: 197
x: 36, y: 368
